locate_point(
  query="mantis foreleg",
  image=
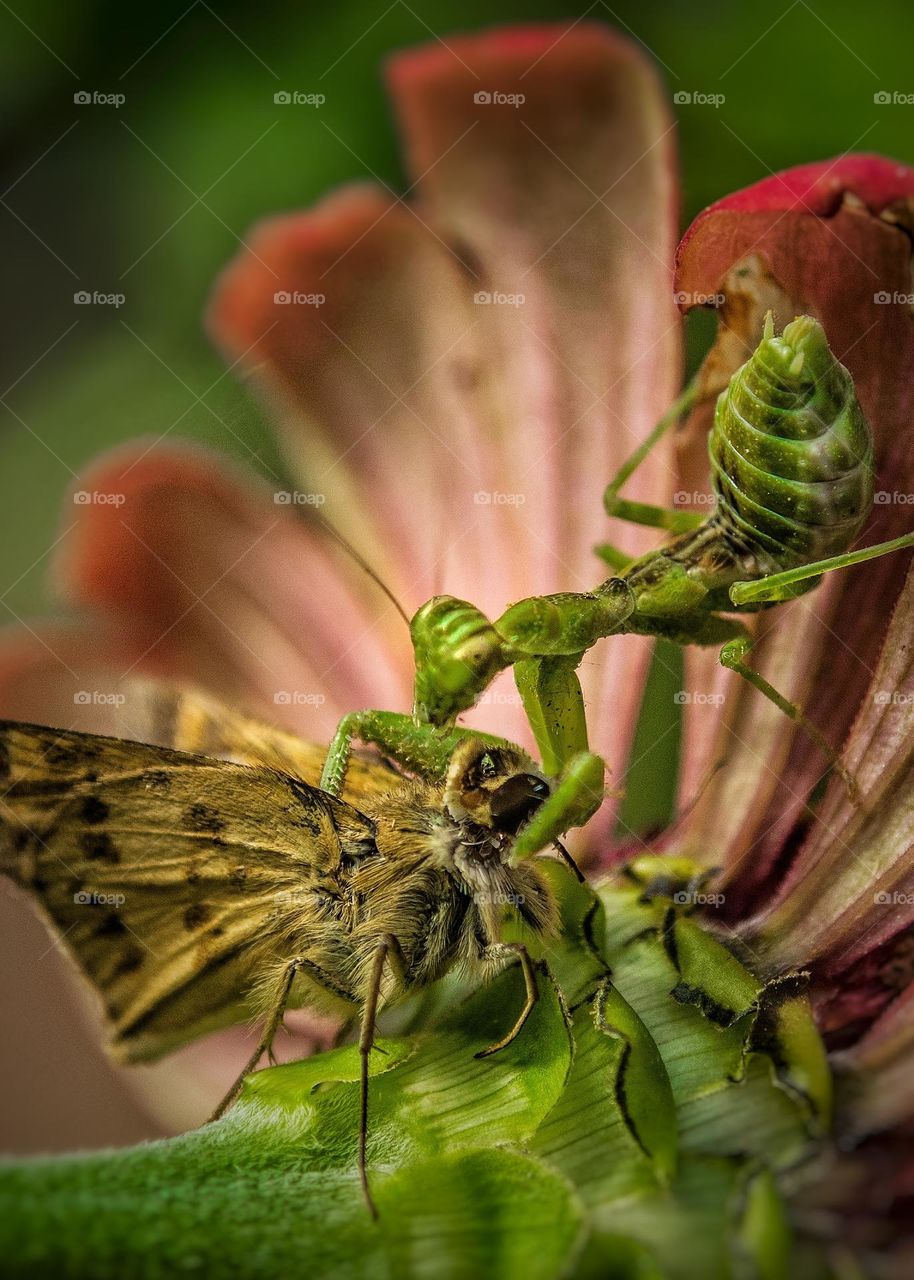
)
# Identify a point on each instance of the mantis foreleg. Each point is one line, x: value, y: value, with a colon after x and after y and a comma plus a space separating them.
x: 421, y: 748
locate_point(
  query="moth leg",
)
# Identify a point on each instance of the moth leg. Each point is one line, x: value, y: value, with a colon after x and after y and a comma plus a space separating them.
x: 497, y: 952
x: 265, y: 1044
x: 777, y: 586
x: 732, y: 657
x: 388, y: 948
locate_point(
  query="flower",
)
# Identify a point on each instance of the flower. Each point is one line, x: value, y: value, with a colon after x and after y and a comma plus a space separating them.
x: 454, y: 377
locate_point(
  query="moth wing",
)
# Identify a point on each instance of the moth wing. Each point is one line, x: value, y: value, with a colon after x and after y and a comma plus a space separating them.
x: 190, y: 720
x: 175, y: 881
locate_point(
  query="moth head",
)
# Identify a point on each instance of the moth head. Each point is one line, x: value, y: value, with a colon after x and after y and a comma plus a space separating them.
x: 496, y: 787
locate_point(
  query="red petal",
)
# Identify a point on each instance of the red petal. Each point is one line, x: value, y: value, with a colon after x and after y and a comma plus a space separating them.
x: 825, y: 239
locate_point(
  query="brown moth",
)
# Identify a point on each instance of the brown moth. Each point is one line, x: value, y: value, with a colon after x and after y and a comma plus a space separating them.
x: 196, y: 891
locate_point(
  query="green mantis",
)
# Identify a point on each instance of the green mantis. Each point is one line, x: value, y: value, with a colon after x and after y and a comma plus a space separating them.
x: 792, y: 471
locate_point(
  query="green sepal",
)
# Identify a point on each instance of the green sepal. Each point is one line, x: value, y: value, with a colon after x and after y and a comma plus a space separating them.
x: 710, y: 977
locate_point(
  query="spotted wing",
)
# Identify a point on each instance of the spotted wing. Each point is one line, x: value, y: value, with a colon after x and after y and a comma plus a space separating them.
x: 173, y: 880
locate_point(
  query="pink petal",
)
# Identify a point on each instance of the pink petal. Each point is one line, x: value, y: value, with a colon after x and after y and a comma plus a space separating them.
x: 851, y: 887
x: 569, y: 201
x: 62, y: 674
x: 465, y: 446
x: 825, y: 239
x: 880, y: 1078
x: 209, y: 580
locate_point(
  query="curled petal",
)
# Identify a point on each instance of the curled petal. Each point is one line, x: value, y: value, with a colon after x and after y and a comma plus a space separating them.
x: 209, y: 580
x: 879, y: 1071
x: 831, y: 240
x: 851, y: 887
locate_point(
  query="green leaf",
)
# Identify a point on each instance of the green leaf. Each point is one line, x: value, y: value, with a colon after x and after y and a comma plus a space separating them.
x: 639, y: 1137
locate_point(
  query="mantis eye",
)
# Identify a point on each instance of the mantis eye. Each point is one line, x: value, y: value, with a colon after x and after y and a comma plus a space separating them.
x: 486, y: 766
x: 515, y: 800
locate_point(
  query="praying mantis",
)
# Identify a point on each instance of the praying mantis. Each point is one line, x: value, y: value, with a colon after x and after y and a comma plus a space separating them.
x: 791, y: 458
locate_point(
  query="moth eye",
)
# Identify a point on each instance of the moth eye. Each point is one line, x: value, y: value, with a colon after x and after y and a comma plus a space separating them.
x: 516, y: 800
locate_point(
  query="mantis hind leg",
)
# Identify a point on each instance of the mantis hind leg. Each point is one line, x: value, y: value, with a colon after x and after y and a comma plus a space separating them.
x: 645, y: 513
x: 782, y: 586
x: 733, y: 655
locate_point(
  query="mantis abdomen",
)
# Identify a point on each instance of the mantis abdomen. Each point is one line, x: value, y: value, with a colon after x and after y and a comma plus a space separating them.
x: 792, y: 472
x: 791, y: 452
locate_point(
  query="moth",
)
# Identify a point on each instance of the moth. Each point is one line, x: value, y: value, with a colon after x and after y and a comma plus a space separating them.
x: 212, y: 882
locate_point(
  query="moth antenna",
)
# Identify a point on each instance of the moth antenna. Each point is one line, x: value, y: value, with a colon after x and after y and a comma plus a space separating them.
x: 363, y: 564
x: 707, y: 778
